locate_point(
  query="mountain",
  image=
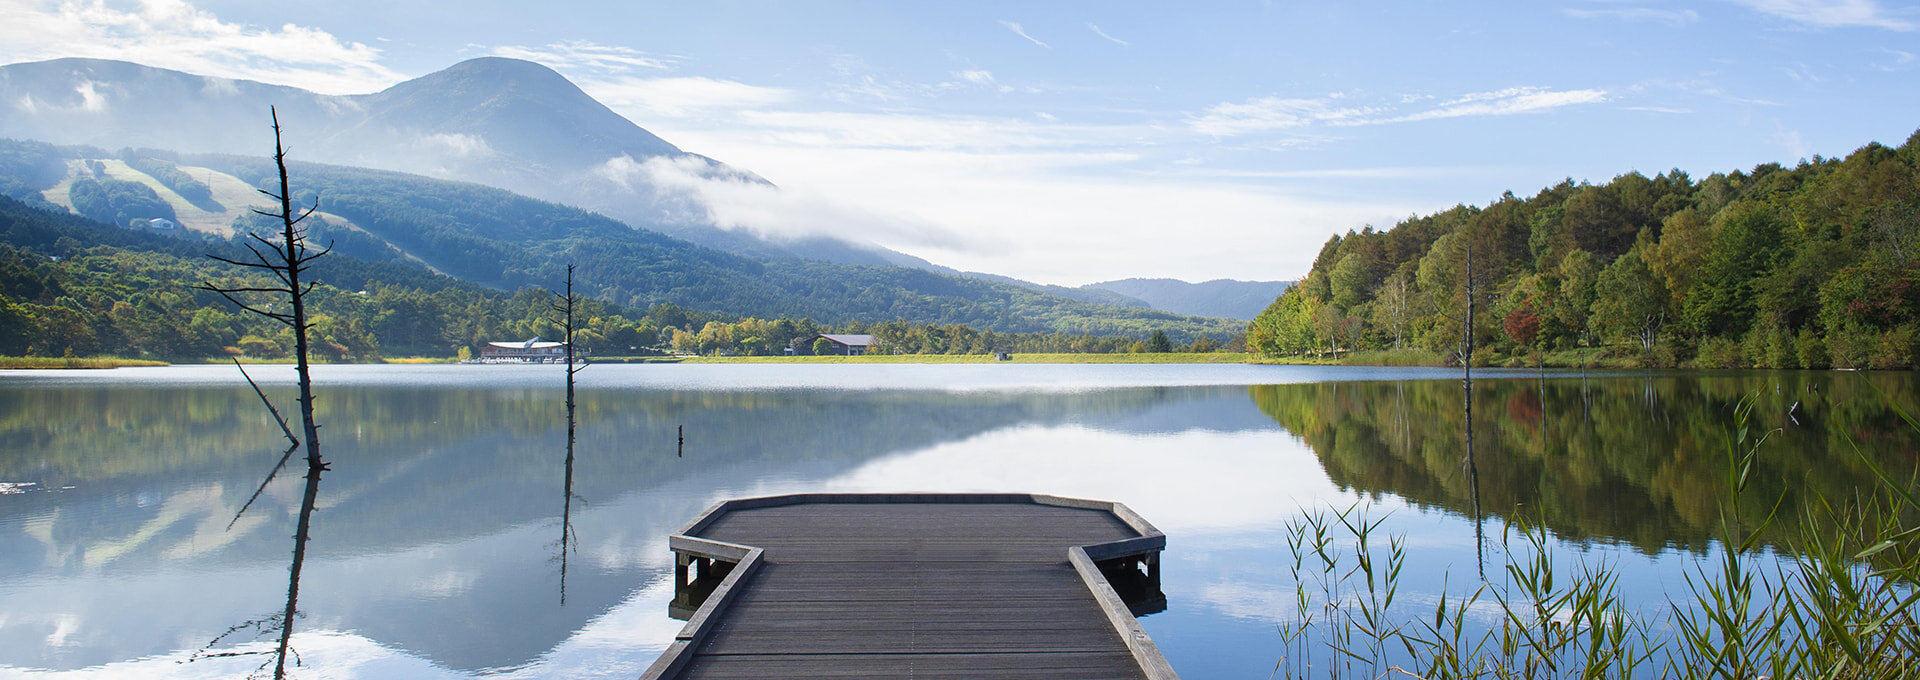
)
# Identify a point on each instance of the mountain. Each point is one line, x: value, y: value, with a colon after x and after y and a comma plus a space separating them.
x: 505, y: 241
x: 1223, y: 298
x: 507, y: 123
x: 1083, y: 293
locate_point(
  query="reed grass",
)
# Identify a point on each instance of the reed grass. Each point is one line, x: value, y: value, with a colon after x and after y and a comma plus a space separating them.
x: 1837, y: 603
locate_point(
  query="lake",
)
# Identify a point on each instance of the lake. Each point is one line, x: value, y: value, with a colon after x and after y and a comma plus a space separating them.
x: 437, y: 536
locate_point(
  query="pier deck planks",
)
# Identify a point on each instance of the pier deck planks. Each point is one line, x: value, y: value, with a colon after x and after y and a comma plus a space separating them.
x: 923, y: 590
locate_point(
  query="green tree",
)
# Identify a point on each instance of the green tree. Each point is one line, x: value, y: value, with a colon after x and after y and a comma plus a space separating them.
x: 1579, y: 272
x: 1285, y: 327
x: 1722, y: 302
x: 1632, y: 301
x: 822, y: 347
x: 1158, y: 342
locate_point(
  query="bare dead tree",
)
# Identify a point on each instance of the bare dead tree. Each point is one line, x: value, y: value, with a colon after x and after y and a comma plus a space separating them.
x: 1471, y: 285
x: 285, y: 256
x: 563, y: 306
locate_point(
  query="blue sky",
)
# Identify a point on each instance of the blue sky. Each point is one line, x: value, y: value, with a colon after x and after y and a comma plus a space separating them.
x: 1069, y: 142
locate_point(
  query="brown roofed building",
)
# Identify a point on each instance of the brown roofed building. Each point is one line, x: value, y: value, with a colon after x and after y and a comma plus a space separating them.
x: 849, y: 344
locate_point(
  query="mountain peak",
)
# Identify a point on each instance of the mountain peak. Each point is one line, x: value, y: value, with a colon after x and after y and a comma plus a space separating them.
x: 503, y: 69
x: 520, y: 107
x: 491, y: 75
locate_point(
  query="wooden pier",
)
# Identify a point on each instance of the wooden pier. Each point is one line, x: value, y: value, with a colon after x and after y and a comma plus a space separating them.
x: 915, y: 585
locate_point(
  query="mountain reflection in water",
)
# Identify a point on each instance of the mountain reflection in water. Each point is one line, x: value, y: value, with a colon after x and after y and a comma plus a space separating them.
x: 434, y: 547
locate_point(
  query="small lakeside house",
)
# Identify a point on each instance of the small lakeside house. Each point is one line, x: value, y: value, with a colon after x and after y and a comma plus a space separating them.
x: 848, y: 344
x: 534, y: 351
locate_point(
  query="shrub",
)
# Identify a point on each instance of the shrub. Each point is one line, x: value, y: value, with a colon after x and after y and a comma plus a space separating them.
x: 1721, y: 353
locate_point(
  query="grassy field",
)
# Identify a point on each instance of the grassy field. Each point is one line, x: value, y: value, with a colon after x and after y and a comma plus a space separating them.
x: 74, y: 362
x: 1149, y: 358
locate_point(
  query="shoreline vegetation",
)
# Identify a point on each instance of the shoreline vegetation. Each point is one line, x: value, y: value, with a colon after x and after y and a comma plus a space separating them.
x: 1814, y: 266
x: 1587, y: 358
x: 1836, y: 603
x: 35, y: 363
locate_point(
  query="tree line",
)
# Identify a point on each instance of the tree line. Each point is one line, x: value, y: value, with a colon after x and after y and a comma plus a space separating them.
x: 1812, y: 266
x: 70, y: 286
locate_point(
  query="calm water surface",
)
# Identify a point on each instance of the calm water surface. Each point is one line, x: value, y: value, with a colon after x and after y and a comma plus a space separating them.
x: 436, y: 544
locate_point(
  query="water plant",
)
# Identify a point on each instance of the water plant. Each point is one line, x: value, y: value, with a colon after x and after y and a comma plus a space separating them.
x: 1835, y: 602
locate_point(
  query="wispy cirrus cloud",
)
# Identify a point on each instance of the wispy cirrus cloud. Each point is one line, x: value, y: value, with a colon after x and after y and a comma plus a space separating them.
x: 1895, y: 60
x: 1834, y: 13
x: 174, y: 34
x: 1280, y: 113
x: 1276, y: 113
x: 976, y: 76
x: 1103, y: 34
x: 1671, y: 17
x: 1510, y: 101
x: 1017, y: 30
x: 583, y: 54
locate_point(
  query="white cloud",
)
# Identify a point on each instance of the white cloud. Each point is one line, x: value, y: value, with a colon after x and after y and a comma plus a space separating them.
x: 1830, y: 13
x: 1017, y: 30
x: 1899, y: 60
x: 583, y: 54
x: 1103, y: 34
x: 1671, y: 17
x: 1275, y: 113
x: 680, y: 96
x: 842, y: 130
x: 90, y: 98
x: 459, y: 145
x: 173, y: 34
x: 1384, y: 172
x: 220, y: 87
x: 1507, y: 102
x: 976, y: 76
x: 1022, y: 207
x: 731, y: 201
x: 1800, y: 73
x: 1267, y: 114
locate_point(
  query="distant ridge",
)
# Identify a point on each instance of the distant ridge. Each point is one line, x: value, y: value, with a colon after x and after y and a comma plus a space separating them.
x: 507, y: 123
x: 494, y: 238
x: 1221, y: 298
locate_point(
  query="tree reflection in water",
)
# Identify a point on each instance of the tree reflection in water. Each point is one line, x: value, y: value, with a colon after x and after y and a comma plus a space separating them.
x: 1636, y: 463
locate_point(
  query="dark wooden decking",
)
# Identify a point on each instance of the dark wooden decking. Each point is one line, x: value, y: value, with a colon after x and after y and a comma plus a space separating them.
x: 976, y: 586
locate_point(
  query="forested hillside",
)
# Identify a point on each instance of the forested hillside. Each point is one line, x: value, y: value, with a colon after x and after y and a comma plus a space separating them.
x: 506, y: 241
x: 72, y: 286
x: 503, y: 240
x: 1806, y: 267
